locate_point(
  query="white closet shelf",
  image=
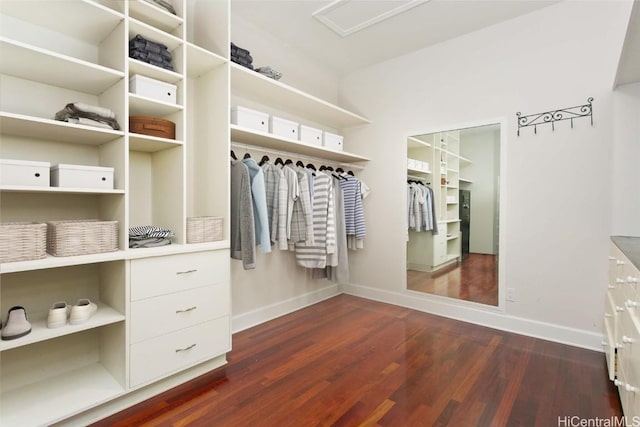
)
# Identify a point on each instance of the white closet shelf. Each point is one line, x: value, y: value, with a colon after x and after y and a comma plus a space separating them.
x: 55, y: 69
x: 465, y: 160
x: 449, y: 221
x: 412, y: 170
x: 465, y: 180
x: 151, y: 144
x: 153, y: 34
x: 84, y: 19
x: 142, y: 106
x: 105, y: 315
x: 154, y: 15
x: 267, y: 140
x: 176, y: 249
x: 201, y: 61
x: 54, y: 130
x: 279, y: 95
x: 148, y: 70
x: 452, y: 237
x: 66, y: 261
x: 53, y: 399
x: 59, y: 190
x: 413, y: 142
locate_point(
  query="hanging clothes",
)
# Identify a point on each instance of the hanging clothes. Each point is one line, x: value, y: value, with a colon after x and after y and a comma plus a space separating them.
x: 261, y: 217
x: 324, y: 233
x: 285, y: 208
x: 242, y: 233
x: 421, y: 208
x: 302, y: 215
x: 273, y: 176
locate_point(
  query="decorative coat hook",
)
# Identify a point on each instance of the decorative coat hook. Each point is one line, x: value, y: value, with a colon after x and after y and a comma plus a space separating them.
x: 553, y: 116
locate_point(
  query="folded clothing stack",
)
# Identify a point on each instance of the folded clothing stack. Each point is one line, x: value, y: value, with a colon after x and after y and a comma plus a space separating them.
x: 163, y: 4
x: 151, y: 52
x: 89, y: 115
x: 149, y: 236
x: 269, y: 72
x: 241, y: 56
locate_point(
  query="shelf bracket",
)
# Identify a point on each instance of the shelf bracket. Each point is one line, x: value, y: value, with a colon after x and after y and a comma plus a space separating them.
x: 570, y: 113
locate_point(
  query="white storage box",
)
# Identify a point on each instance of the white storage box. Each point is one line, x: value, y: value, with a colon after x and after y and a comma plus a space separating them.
x: 333, y: 141
x: 284, y: 128
x: 152, y: 88
x: 249, y: 118
x: 310, y: 135
x: 78, y: 176
x: 24, y: 172
x: 411, y: 164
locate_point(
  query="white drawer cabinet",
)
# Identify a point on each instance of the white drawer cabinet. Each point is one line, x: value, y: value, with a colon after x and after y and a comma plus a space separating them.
x: 167, y: 274
x: 166, y: 354
x: 167, y: 313
x: 622, y: 322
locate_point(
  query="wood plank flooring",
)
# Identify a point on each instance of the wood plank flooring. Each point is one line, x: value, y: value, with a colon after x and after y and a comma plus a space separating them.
x: 474, y: 279
x: 349, y: 361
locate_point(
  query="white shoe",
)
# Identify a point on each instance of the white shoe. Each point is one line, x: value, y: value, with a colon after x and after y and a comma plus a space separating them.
x: 58, y: 315
x: 82, y: 311
x: 17, y: 324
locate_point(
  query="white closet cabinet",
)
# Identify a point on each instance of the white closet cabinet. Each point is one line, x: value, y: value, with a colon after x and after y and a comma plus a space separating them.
x: 441, y: 152
x: 56, y: 52
x: 622, y: 321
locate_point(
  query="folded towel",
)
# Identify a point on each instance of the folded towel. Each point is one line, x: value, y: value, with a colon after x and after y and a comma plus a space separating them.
x: 269, y: 72
x: 78, y: 110
x: 240, y: 61
x: 149, y: 243
x: 87, y: 122
x: 148, y: 232
x: 240, y: 51
x: 138, y: 38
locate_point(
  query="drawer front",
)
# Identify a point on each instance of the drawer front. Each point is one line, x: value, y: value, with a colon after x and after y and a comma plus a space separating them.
x: 167, y: 354
x: 175, y: 273
x: 609, y: 348
x: 84, y: 178
x: 156, y: 316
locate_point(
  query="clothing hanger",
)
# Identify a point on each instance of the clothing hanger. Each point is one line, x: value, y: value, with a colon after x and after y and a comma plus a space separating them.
x: 288, y: 162
x: 329, y: 168
x: 323, y: 167
x: 299, y: 163
x: 279, y: 161
x: 311, y: 166
x: 264, y: 160
x: 351, y: 173
x: 339, y: 170
x: 233, y: 155
x: 247, y: 156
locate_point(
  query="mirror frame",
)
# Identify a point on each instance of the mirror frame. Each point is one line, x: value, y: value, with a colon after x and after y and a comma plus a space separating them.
x: 502, y: 255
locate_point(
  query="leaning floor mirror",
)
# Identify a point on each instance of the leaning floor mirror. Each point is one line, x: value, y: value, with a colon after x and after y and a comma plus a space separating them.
x: 453, y: 213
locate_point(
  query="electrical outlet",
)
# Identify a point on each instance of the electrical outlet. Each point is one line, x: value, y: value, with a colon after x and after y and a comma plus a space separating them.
x: 511, y: 294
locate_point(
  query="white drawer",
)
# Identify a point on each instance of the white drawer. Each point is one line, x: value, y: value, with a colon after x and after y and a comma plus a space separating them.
x: 168, y: 313
x: 249, y: 118
x: 167, y: 354
x: 24, y: 172
x: 609, y: 347
x: 80, y: 176
x: 175, y: 273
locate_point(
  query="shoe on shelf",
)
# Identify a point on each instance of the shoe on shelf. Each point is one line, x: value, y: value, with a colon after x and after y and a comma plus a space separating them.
x: 17, y: 324
x: 82, y: 311
x: 58, y: 315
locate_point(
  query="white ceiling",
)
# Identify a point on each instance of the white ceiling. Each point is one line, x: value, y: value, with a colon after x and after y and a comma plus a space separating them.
x: 435, y: 21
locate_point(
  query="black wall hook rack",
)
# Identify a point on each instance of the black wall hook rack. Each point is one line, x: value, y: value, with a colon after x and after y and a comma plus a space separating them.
x: 570, y: 113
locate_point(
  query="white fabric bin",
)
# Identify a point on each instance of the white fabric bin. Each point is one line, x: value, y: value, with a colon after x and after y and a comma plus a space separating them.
x: 152, y: 88
x: 248, y: 118
x: 332, y: 141
x: 79, y: 176
x: 24, y: 172
x: 310, y: 135
x: 282, y: 127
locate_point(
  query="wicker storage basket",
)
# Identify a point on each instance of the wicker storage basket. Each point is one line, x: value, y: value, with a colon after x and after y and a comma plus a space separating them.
x: 22, y: 241
x: 81, y: 237
x: 153, y: 126
x: 204, y: 229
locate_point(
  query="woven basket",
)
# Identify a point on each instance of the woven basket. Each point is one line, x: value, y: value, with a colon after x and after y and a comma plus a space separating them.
x: 22, y: 241
x: 204, y: 229
x: 81, y: 237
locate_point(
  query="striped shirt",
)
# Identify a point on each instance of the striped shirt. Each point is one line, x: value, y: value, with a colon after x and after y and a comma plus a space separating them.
x: 302, y: 217
x: 271, y: 180
x: 353, y: 211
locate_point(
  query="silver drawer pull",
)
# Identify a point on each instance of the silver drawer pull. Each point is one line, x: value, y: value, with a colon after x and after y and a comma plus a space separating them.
x: 187, y: 272
x: 185, y: 349
x: 187, y: 309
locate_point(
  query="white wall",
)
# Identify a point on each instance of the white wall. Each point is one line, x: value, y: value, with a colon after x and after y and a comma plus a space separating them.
x: 480, y: 146
x: 557, y: 220
x: 626, y: 161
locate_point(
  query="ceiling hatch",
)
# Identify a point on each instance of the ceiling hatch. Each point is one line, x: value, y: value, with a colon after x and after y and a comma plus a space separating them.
x: 348, y: 16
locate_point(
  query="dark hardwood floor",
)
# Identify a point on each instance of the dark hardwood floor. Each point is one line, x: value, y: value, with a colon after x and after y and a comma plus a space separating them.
x: 474, y: 279
x: 353, y: 362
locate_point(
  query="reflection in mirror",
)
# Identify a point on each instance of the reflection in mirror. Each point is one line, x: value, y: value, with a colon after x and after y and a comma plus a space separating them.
x: 453, y: 213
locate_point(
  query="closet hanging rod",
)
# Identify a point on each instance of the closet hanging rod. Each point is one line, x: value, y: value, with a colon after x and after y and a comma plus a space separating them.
x: 419, y: 178
x: 318, y: 160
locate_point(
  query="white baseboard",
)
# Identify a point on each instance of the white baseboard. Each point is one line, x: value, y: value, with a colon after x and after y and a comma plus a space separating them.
x: 491, y: 318
x: 244, y: 321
